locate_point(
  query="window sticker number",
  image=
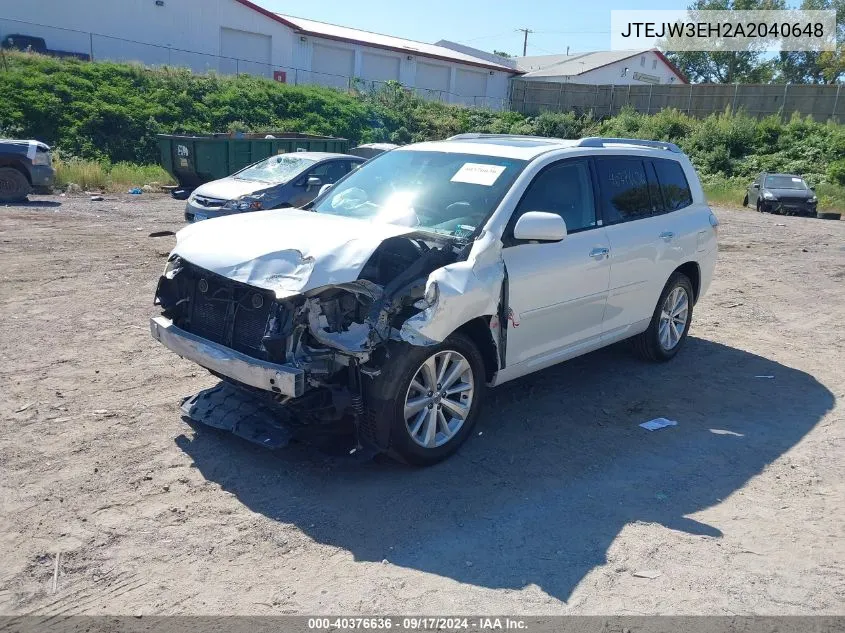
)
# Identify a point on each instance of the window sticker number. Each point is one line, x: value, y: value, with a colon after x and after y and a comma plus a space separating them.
x: 478, y: 174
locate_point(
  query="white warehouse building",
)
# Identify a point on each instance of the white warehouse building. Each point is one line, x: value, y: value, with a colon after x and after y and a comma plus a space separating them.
x: 635, y: 67
x: 239, y: 36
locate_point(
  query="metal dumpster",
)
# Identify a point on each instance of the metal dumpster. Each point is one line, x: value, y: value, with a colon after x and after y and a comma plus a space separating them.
x: 194, y: 160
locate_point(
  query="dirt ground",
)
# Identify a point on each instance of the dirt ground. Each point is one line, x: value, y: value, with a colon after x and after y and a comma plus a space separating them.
x: 554, y: 507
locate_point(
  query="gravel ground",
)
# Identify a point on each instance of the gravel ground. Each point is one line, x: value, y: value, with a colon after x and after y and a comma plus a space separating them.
x: 555, y: 507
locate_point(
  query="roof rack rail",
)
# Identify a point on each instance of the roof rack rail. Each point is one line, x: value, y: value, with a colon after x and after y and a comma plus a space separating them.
x: 474, y: 135
x: 599, y: 141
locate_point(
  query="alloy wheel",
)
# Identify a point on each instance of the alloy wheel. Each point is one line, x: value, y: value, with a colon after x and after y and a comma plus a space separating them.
x: 673, y: 318
x: 439, y: 399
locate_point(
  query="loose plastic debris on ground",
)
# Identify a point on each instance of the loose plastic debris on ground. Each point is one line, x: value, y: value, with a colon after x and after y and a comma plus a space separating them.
x: 658, y: 423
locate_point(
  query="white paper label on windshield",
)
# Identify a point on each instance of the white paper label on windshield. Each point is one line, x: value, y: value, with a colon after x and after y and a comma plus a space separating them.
x: 796, y: 180
x: 478, y: 174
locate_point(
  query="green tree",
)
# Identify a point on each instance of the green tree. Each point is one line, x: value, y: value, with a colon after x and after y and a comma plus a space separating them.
x: 816, y: 67
x: 727, y: 66
x: 502, y: 54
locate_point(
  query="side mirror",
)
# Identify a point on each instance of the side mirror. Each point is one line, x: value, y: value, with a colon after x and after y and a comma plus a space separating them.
x: 313, y: 181
x: 755, y: 186
x: 540, y: 226
x: 324, y: 189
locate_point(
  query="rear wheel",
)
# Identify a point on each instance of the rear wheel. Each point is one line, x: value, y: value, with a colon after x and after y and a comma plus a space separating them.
x: 670, y: 322
x: 745, y: 201
x: 14, y: 186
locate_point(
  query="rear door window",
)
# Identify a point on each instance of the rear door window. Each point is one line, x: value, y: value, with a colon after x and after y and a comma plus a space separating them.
x: 332, y: 171
x: 624, y: 189
x: 673, y: 184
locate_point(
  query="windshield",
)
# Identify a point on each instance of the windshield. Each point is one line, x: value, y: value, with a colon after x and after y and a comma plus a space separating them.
x: 785, y: 182
x: 276, y: 169
x: 441, y: 192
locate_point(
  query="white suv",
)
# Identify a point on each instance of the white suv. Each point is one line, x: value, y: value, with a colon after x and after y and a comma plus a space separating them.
x: 437, y: 270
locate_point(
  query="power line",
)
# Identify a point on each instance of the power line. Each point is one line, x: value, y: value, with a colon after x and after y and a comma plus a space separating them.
x: 486, y: 37
x: 525, y: 40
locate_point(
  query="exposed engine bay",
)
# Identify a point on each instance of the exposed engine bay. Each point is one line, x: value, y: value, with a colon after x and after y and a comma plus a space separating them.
x: 341, y: 334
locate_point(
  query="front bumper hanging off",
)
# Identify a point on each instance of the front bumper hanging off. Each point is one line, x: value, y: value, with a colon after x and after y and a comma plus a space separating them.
x: 285, y: 380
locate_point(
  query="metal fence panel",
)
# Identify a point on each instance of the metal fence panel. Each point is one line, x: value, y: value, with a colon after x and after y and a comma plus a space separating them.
x: 821, y: 102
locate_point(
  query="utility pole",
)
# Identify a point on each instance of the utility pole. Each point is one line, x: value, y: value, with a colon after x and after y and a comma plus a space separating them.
x: 525, y: 40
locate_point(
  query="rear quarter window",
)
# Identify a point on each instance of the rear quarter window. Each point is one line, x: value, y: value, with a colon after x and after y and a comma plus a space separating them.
x: 673, y: 184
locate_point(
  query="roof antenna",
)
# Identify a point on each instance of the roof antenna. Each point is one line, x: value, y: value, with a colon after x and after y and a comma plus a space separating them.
x: 567, y: 51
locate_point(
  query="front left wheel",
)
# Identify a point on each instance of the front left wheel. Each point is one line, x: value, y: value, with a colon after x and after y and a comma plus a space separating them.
x: 14, y: 187
x: 435, y: 398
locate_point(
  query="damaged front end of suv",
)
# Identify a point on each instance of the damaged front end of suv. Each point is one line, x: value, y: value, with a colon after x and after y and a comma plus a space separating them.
x: 323, y: 309
x: 321, y: 350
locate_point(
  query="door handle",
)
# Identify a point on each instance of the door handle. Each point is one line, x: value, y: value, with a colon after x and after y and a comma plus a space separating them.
x: 599, y: 253
x: 667, y: 235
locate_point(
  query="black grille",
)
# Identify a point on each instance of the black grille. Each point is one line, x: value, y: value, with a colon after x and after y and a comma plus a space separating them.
x: 226, y: 312
x: 250, y: 325
x: 208, y: 202
x: 792, y: 200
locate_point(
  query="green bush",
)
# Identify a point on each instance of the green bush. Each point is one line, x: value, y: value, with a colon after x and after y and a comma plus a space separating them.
x: 836, y: 172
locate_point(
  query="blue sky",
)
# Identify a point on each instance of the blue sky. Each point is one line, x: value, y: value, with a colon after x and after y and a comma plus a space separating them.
x: 484, y: 24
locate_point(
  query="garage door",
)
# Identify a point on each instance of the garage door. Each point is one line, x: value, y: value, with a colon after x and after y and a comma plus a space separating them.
x: 471, y: 85
x: 375, y: 67
x: 245, y: 52
x: 432, y: 80
x: 331, y: 66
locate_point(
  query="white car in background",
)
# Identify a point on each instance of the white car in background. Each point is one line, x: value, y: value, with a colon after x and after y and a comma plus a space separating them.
x: 439, y: 269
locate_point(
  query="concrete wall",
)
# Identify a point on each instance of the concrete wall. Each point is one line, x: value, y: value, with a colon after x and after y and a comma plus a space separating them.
x: 180, y: 33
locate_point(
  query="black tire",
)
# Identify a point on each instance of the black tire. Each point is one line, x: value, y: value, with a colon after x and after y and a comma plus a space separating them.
x: 759, y: 206
x: 745, y: 201
x: 647, y: 345
x: 394, y: 382
x: 14, y: 187
x: 822, y: 215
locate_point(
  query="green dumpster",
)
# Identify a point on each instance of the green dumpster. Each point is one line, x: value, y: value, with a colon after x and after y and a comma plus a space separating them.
x: 194, y: 160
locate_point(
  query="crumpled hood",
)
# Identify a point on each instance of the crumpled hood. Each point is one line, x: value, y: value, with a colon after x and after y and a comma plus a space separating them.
x: 230, y: 188
x: 287, y: 251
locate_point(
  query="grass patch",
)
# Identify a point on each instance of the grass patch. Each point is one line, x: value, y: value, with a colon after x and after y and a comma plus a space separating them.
x: 119, y: 177
x: 726, y: 192
x: 831, y: 197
